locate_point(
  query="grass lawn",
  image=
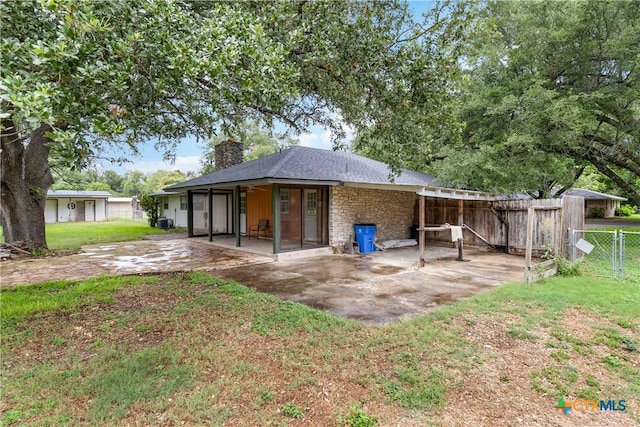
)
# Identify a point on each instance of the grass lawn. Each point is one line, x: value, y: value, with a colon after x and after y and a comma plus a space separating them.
x: 599, y: 261
x: 172, y: 348
x: 70, y: 236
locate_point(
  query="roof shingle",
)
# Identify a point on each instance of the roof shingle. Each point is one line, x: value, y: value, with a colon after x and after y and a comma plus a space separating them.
x: 310, y: 164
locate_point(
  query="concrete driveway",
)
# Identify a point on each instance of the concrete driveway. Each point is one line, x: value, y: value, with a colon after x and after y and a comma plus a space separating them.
x: 377, y: 288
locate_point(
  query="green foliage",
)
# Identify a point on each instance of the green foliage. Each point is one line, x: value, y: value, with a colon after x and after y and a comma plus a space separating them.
x: 535, y: 114
x: 591, y: 179
x: 151, y: 205
x: 72, y: 179
x: 596, y: 212
x: 359, y: 418
x: 99, y: 186
x: 134, y: 183
x: 292, y: 410
x: 113, y: 180
x: 626, y: 210
x: 160, y: 179
x: 96, y: 79
x: 567, y: 268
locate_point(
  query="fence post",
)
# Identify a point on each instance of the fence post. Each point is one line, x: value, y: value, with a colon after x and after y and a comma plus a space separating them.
x: 570, y: 251
x: 614, y: 246
x: 621, y: 254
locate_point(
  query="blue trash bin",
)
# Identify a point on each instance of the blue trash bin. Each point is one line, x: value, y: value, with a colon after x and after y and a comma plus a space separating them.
x: 365, y: 236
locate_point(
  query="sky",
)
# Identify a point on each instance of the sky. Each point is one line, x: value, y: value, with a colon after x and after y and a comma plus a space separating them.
x: 189, y: 151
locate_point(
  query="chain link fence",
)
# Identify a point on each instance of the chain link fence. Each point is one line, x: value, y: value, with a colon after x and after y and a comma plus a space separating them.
x: 606, y: 253
x: 629, y: 254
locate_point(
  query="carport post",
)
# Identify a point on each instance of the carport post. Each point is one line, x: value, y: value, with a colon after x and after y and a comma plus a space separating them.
x: 275, y: 202
x: 210, y: 215
x: 189, y: 213
x: 421, y: 232
x: 236, y: 214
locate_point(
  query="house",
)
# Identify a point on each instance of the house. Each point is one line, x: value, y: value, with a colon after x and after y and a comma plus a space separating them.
x: 596, y: 203
x: 173, y: 205
x: 310, y: 197
x: 71, y: 205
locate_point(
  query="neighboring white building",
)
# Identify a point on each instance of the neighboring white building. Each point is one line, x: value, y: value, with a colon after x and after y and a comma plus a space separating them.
x: 173, y: 205
x: 124, y: 208
x: 72, y: 206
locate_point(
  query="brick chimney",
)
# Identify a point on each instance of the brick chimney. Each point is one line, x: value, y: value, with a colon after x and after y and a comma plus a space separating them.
x: 228, y: 153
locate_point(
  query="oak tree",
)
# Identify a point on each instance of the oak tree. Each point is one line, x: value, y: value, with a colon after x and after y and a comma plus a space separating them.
x: 551, y: 88
x: 78, y: 78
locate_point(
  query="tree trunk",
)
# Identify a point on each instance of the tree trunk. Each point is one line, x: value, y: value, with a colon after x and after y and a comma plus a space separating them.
x: 26, y: 177
x: 621, y: 183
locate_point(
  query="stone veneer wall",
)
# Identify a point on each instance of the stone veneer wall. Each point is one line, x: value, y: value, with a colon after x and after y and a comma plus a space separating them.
x: 228, y: 153
x: 391, y: 211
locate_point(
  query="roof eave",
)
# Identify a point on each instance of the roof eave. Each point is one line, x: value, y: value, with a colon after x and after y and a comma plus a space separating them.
x: 452, y: 193
x: 254, y: 182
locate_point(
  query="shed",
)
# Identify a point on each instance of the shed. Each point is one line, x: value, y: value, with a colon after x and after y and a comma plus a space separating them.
x: 72, y: 205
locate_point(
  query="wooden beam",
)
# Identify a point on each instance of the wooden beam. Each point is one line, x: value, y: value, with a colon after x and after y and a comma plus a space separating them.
x: 478, y: 235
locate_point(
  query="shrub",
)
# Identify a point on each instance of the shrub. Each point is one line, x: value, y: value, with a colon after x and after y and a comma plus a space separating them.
x: 151, y: 206
x: 567, y: 268
x: 596, y: 212
x: 625, y: 210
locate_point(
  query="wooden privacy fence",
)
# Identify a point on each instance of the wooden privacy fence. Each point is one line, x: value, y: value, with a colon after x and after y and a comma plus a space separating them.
x: 503, y: 224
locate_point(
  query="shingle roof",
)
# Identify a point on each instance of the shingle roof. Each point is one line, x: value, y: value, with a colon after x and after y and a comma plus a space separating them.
x: 580, y: 192
x: 593, y: 195
x: 310, y: 164
x: 78, y: 194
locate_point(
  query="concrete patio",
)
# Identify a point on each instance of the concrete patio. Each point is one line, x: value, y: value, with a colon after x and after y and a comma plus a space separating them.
x: 377, y: 287
x: 381, y: 287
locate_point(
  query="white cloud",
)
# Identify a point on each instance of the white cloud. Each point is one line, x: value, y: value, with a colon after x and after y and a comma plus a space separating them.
x: 321, y: 138
x: 182, y: 163
x: 308, y: 139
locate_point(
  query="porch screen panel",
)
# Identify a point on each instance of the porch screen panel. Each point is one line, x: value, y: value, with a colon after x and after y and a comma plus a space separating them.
x: 220, y: 213
x: 200, y: 214
x: 290, y: 219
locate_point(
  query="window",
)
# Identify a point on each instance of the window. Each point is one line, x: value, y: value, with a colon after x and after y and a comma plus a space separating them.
x: 284, y: 200
x: 183, y: 203
x: 165, y: 203
x: 312, y: 203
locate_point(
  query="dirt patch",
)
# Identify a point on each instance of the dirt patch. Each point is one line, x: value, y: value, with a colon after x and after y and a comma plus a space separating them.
x: 501, y: 391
